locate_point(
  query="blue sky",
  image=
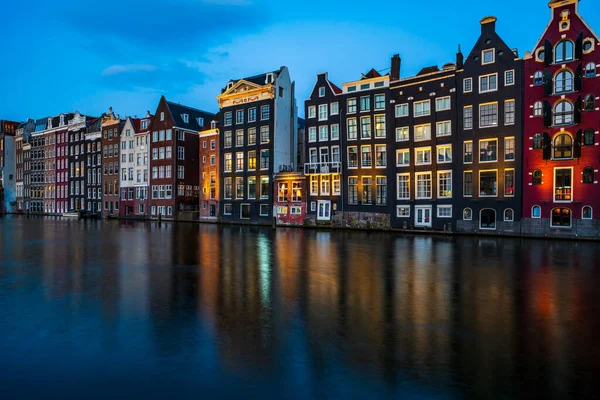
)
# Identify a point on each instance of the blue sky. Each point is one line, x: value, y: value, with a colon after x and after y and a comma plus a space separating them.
x: 89, y: 55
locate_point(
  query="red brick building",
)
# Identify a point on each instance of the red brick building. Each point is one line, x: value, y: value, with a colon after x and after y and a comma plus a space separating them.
x: 174, y: 160
x: 111, y: 130
x: 209, y: 173
x: 561, y: 195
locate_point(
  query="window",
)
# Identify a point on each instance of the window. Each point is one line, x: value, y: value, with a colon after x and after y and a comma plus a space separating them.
x: 563, y: 82
x: 422, y: 108
x: 402, y: 110
x: 324, y: 155
x: 537, y: 141
x: 366, y: 157
x: 239, y: 138
x: 265, y: 113
x: 586, y: 213
x: 239, y: 161
x: 536, y: 212
x: 264, y: 134
x: 381, y: 190
x: 365, y: 127
x: 181, y: 153
x: 162, y: 116
x: 563, y: 146
x: 487, y: 219
x: 403, y: 188
x: 264, y: 159
x: 588, y: 137
x: 488, y: 183
x: 244, y: 211
x: 252, y: 160
x: 403, y: 211
x: 352, y: 129
x: 467, y: 214
x: 321, y: 92
x: 442, y: 103
x: 444, y: 184
x: 588, y: 45
x: 562, y: 184
x: 264, y: 187
x: 227, y: 208
x: 564, y: 51
x: 589, y: 103
x: 352, y: 157
x: 422, y: 132
x: 444, y: 128
x: 423, y: 185
x: 488, y: 83
x: 312, y: 112
x: 180, y: 172
x: 252, y: 114
x: 402, y: 134
x: 380, y: 101
x: 335, y: 132
x: 468, y: 85
x: 180, y: 135
x: 444, y: 211
x: 468, y: 184
x: 509, y: 112
x: 536, y: 177
x: 563, y: 113
x: 227, y: 138
x: 423, y: 156
x: 588, y: 175
x: 367, y: 190
x: 468, y: 117
x: 380, y: 126
x: 538, y: 78
x: 334, y: 108
x: 590, y: 70
x: 509, y: 149
x: 323, y: 133
x: 509, y: 215
x: 509, y: 77
x: 538, y: 108
x: 228, y: 165
x: 444, y: 153
x: 488, y: 115
x: 468, y: 152
x: 352, y: 190
x: 365, y: 103
x: 488, y: 150
x: 509, y: 182
x: 561, y: 218
x: 403, y: 158
x: 323, y: 113
x: 314, y: 185
x: 239, y: 188
x: 488, y: 56
x: 351, y: 106
x: 312, y: 134
x: 337, y: 186
x: 380, y: 156
x: 228, y: 188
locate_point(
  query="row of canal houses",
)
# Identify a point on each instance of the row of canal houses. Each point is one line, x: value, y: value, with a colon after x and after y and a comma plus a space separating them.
x: 493, y: 142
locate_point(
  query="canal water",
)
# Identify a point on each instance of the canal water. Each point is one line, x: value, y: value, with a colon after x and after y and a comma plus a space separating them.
x: 129, y: 310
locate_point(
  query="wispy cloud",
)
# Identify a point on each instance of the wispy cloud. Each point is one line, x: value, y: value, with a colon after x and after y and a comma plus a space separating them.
x: 130, y: 68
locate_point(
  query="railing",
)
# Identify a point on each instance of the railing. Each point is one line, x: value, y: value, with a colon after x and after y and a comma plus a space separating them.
x: 323, y: 168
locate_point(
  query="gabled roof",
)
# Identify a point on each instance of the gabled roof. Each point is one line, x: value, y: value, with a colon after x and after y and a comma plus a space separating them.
x: 428, y: 70
x: 256, y: 79
x: 371, y: 74
x: 177, y: 111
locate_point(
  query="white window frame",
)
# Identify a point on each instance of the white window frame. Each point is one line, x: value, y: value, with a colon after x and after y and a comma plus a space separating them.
x: 470, y: 80
x: 417, y: 174
x: 506, y: 74
x: 483, y: 53
x: 444, y: 207
x: 417, y: 150
x: 403, y: 151
x: 554, y: 190
x: 444, y: 124
x: 312, y: 112
x: 463, y: 214
x: 441, y: 99
x: 479, y: 185
x: 479, y: 150
x: 488, y: 76
x: 398, y: 186
x: 451, y: 183
x: 402, y: 129
x: 403, y: 106
x: 504, y: 219
x: 404, y: 207
x: 440, y: 147
x: 416, y: 103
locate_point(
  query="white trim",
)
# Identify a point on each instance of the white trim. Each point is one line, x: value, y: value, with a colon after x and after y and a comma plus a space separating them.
x: 442, y: 207
x: 495, y: 219
x: 424, y: 208
x: 398, y: 207
x: 570, y: 218
x: 554, y: 186
x: 533, y: 214
x: 463, y: 213
x: 493, y: 50
x: 488, y: 76
x: 591, y: 212
x: 504, y: 215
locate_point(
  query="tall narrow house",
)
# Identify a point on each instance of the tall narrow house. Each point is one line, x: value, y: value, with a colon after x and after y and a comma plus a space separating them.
x: 111, y: 130
x: 37, y: 167
x: 561, y: 193
x: 487, y: 185
x: 258, y: 125
x: 8, y: 180
x: 209, y: 172
x: 93, y: 181
x: 72, y: 160
x: 174, y: 160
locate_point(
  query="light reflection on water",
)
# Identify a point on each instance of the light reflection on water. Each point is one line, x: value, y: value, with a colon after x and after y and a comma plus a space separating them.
x: 92, y: 309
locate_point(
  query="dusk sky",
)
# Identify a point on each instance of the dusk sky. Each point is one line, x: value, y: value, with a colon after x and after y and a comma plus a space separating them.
x: 88, y: 55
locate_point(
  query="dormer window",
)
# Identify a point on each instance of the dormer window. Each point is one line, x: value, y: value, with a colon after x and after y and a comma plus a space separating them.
x: 145, y: 124
x: 186, y: 118
x: 213, y: 124
x: 321, y: 92
x: 488, y: 57
x: 200, y: 122
x: 269, y: 78
x: 49, y: 123
x: 62, y: 120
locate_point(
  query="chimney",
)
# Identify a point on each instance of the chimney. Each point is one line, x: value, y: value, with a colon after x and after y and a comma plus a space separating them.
x: 460, y: 59
x: 395, y: 71
x: 488, y: 25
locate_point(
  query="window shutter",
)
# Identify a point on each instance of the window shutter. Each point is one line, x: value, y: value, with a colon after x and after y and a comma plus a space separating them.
x: 577, y: 116
x: 547, y: 147
x: 578, y: 75
x: 547, y: 83
x: 579, y: 46
x: 577, y: 147
x: 547, y: 113
x: 548, y: 53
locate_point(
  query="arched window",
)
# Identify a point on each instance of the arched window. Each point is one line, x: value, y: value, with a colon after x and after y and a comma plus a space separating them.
x: 561, y: 218
x: 588, y: 175
x: 563, y: 146
x: 563, y: 82
x: 563, y: 113
x: 536, y: 177
x: 537, y: 141
x: 563, y: 51
x: 586, y: 213
x: 590, y: 70
x: 538, y: 108
x: 538, y: 78
x: 509, y: 215
x: 487, y: 219
x: 588, y: 137
x: 590, y: 103
x: 467, y: 214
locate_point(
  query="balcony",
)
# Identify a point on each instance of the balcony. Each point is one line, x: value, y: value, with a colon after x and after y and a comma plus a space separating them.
x: 323, y: 168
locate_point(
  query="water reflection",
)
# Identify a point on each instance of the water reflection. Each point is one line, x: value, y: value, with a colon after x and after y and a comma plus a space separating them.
x: 231, y: 311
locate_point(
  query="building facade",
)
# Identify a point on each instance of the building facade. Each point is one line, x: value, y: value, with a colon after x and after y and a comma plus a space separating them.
x: 174, y: 160
x: 209, y: 173
x: 258, y: 124
x: 71, y: 157
x: 37, y: 166
x: 22, y: 138
x: 26, y: 176
x: 111, y: 142
x: 8, y: 182
x: 93, y: 183
x: 561, y: 194
x: 487, y: 191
